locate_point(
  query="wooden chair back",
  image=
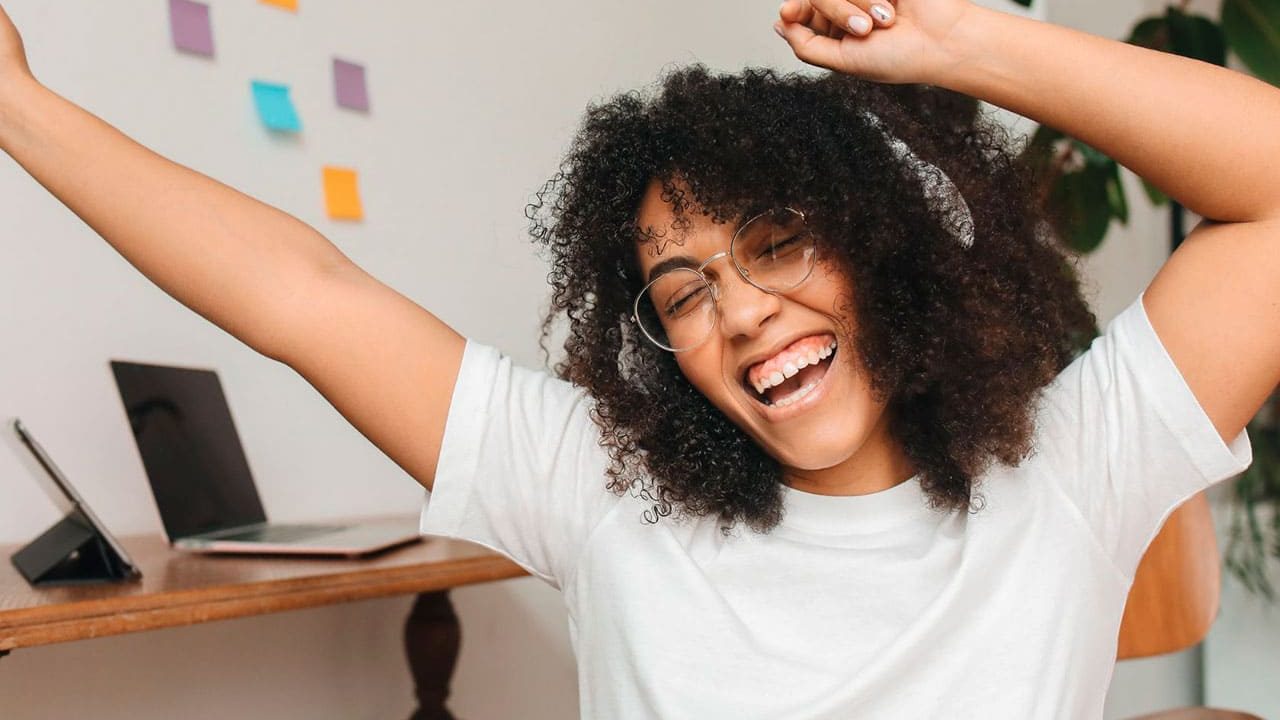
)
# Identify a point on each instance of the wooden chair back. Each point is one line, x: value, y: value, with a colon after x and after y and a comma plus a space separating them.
x: 1174, y: 598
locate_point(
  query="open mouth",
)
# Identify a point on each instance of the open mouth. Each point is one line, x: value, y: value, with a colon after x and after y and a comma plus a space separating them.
x: 787, y: 377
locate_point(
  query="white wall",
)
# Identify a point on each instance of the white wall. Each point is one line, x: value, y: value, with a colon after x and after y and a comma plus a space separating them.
x: 471, y: 111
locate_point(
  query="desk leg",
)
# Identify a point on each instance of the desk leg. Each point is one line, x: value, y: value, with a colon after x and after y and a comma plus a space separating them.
x: 431, y: 640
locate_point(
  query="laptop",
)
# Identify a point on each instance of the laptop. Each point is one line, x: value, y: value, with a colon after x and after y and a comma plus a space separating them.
x: 205, y: 494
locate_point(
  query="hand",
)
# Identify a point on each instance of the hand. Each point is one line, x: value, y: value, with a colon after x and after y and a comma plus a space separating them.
x: 13, y: 56
x: 881, y: 40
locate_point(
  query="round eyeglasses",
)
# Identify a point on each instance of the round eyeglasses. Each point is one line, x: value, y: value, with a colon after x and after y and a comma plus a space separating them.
x: 773, y: 251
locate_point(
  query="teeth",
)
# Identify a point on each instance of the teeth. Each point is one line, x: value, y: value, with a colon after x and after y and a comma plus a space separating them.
x: 793, y: 366
x: 793, y: 397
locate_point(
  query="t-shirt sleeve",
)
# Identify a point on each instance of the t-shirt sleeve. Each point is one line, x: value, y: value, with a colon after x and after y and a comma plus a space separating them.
x: 1125, y: 437
x: 521, y: 467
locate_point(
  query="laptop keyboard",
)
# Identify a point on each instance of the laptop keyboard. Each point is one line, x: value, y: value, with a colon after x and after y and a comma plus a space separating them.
x: 282, y: 533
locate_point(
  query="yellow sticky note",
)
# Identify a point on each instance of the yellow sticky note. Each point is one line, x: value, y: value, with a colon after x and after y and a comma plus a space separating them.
x: 286, y: 4
x: 342, y: 194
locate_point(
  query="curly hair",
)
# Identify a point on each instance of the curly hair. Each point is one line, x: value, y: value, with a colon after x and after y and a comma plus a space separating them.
x: 956, y: 339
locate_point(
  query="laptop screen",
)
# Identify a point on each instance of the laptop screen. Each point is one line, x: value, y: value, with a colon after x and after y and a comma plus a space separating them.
x: 189, y: 447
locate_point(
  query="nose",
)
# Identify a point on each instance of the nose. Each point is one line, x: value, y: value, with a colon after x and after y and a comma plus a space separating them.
x: 744, y: 308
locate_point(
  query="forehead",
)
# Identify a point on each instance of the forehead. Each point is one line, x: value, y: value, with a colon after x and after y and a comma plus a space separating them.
x: 664, y: 234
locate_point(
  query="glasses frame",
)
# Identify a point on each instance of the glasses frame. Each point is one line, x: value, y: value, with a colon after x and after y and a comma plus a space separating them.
x: 713, y: 289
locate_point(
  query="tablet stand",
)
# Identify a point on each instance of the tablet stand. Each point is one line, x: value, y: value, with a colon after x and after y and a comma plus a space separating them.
x: 71, y: 552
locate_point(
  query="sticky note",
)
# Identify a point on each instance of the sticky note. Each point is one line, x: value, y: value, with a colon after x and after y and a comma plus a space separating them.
x: 190, y: 27
x: 348, y: 85
x: 286, y: 4
x: 341, y: 194
x: 274, y: 106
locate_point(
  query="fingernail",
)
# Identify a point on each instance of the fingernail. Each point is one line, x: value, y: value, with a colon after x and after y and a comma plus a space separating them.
x: 881, y: 13
x: 859, y: 25
x: 777, y: 27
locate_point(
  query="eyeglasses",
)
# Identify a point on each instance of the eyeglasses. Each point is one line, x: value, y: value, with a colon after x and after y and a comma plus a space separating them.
x: 773, y: 251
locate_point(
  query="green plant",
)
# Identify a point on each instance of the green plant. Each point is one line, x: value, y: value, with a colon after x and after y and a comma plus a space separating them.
x: 1082, y: 194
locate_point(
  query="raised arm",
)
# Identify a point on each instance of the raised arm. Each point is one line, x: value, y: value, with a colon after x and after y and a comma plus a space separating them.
x: 262, y: 275
x: 1202, y: 133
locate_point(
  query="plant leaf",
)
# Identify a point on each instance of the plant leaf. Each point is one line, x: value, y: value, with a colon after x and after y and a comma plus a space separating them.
x: 1040, y: 148
x: 1152, y: 32
x: 1115, y: 194
x: 1196, y: 36
x: 1252, y: 27
x: 1081, y: 201
x: 1038, y: 154
x: 1092, y: 155
x: 1154, y: 194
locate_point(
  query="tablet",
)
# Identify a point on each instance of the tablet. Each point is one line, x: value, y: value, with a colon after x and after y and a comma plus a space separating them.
x: 68, y: 492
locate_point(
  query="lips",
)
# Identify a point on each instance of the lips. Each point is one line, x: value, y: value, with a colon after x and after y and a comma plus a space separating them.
x: 790, y: 374
x: 787, y: 362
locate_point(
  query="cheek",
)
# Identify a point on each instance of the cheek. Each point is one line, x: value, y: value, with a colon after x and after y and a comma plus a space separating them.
x: 835, y: 285
x: 834, y: 298
x: 702, y: 368
x: 705, y: 372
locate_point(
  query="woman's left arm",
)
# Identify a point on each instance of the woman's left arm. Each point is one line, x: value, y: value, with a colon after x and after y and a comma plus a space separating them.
x: 1205, y: 135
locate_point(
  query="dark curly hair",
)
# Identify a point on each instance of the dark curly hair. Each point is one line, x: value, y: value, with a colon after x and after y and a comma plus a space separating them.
x: 957, y: 339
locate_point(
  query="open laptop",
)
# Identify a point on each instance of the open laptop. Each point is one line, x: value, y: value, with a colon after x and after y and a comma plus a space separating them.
x: 200, y: 478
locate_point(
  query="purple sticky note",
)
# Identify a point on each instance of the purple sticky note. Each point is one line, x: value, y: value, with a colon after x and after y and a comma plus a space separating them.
x: 189, y: 23
x: 348, y: 85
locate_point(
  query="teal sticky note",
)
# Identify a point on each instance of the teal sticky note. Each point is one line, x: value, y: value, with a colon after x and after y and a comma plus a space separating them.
x: 274, y: 107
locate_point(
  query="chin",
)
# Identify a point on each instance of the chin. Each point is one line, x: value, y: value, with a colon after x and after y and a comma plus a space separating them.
x: 815, y: 451
x: 841, y: 427
x: 826, y: 433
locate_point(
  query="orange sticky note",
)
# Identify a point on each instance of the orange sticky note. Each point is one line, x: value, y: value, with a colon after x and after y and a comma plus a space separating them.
x: 342, y: 194
x: 286, y: 4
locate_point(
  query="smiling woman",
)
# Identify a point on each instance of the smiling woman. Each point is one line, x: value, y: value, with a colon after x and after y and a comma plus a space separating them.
x: 777, y: 321
x: 941, y: 346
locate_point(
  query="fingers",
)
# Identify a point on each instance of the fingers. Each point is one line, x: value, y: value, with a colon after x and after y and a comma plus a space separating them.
x: 809, y: 46
x: 858, y: 17
x: 882, y: 11
x: 815, y: 28
x: 846, y: 14
x: 821, y: 25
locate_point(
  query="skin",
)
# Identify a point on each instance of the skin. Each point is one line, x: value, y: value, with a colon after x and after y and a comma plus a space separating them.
x: 1217, y: 159
x: 284, y: 290
x: 1090, y: 88
x: 840, y: 445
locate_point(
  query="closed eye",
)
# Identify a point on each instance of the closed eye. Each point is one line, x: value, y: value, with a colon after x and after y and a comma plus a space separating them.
x: 780, y: 248
x: 685, y: 300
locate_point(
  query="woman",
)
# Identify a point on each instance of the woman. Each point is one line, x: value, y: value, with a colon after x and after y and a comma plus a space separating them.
x: 782, y: 316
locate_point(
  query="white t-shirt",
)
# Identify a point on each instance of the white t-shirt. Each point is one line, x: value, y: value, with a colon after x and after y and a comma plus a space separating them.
x: 870, y: 606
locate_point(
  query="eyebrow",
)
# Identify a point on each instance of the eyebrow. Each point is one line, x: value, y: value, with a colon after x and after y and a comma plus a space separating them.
x: 671, y: 263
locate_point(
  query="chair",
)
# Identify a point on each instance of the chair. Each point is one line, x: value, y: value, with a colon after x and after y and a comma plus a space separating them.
x: 1174, y: 598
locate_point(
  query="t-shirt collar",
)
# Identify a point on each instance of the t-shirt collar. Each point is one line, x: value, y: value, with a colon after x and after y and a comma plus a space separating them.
x: 901, y: 504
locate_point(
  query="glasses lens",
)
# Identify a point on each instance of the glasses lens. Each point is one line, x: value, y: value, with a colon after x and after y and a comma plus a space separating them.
x: 775, y: 250
x: 676, y: 310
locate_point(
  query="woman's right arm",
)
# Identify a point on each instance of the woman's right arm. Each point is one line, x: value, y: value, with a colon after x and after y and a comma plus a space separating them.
x: 262, y: 275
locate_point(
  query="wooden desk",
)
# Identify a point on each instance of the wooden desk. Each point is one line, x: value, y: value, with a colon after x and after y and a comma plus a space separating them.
x: 183, y: 588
